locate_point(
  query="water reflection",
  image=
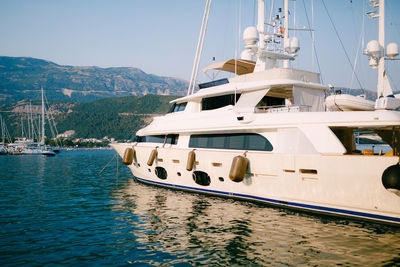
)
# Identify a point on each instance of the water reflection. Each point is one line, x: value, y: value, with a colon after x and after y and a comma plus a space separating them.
x: 199, y: 229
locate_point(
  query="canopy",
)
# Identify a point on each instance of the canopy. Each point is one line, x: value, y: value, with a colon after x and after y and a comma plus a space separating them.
x: 242, y: 66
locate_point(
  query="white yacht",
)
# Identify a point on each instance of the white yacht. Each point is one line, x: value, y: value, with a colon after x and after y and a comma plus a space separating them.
x: 265, y: 135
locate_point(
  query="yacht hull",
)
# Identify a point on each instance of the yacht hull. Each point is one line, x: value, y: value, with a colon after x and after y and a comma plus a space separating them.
x: 346, y: 185
x: 315, y: 209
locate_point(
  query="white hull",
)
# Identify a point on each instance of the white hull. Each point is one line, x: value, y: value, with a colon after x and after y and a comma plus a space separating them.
x: 342, y: 185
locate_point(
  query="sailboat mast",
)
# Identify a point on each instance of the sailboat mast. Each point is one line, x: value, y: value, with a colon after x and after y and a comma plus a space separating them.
x: 2, y: 130
x: 42, y: 140
x: 22, y: 125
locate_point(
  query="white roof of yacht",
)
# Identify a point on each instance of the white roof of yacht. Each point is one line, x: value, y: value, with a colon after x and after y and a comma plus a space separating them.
x: 271, y: 78
x: 239, y: 66
x: 248, y: 86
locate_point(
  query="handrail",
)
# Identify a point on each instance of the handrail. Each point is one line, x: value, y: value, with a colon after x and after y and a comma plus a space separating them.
x: 282, y: 108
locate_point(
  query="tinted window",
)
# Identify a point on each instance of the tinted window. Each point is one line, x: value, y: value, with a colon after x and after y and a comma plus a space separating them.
x: 171, y: 139
x: 153, y: 138
x: 245, y: 141
x: 199, y: 141
x: 257, y: 142
x: 213, y: 83
x: 218, y: 141
x: 271, y: 101
x: 177, y: 107
x: 215, y: 102
x: 236, y: 141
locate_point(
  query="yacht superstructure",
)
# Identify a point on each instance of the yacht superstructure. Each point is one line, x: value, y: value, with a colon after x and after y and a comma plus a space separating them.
x: 265, y: 135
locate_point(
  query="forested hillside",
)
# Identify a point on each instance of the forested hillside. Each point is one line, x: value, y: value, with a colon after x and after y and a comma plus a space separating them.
x: 113, y: 117
x: 118, y: 118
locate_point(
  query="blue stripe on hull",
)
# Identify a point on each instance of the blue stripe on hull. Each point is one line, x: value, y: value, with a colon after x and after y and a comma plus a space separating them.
x: 321, y: 209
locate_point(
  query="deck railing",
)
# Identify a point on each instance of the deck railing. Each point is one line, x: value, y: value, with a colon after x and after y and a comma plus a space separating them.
x: 276, y: 109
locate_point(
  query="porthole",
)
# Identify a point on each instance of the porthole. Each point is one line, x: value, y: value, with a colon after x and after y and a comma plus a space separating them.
x: 178, y: 173
x: 161, y: 173
x: 201, y: 178
x: 221, y: 179
x: 149, y: 170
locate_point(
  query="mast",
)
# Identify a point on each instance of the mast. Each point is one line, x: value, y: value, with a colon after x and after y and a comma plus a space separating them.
x: 381, y: 40
x: 42, y: 140
x: 22, y: 126
x: 263, y: 44
x: 377, y: 53
x: 2, y: 129
x: 286, y: 29
x: 261, y: 61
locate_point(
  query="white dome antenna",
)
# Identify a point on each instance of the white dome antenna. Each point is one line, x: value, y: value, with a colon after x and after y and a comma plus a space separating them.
x: 250, y: 36
x: 374, y: 51
x: 392, y: 50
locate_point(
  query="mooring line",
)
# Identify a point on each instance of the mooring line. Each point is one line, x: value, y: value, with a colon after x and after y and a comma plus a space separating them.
x: 117, y: 170
x: 108, y: 163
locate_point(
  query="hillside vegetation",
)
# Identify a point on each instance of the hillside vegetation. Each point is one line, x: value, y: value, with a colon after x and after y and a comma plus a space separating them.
x: 119, y: 118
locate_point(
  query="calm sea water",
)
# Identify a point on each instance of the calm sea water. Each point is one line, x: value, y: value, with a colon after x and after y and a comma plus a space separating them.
x: 60, y: 211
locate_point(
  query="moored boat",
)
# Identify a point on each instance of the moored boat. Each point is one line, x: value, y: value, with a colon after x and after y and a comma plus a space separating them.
x: 265, y: 136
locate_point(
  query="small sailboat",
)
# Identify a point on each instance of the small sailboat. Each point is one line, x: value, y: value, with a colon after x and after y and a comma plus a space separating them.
x: 27, y: 146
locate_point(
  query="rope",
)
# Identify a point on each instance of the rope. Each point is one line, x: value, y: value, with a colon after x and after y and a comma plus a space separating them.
x: 312, y: 37
x: 341, y: 43
x: 109, y: 163
x: 117, y: 168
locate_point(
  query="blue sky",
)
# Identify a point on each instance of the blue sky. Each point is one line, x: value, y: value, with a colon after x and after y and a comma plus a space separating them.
x: 160, y: 36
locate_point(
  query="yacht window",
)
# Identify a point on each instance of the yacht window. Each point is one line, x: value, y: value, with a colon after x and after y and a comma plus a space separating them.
x: 177, y: 107
x: 171, y: 139
x: 199, y: 141
x: 215, y: 102
x: 268, y: 101
x: 255, y: 142
x: 236, y: 141
x: 151, y: 139
x: 244, y: 141
x: 213, y: 83
x: 217, y: 141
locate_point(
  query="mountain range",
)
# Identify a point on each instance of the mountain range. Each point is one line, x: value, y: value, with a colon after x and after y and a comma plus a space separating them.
x: 22, y: 78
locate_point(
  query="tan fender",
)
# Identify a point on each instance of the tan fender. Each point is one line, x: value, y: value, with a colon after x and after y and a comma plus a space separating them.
x: 190, y: 160
x: 238, y: 168
x: 128, y: 156
x: 152, y: 157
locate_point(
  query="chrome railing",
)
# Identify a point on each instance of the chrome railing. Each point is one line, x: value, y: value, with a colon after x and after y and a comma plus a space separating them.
x: 278, y: 109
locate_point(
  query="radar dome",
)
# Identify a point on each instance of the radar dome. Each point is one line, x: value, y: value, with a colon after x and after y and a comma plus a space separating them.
x: 250, y: 36
x: 392, y: 50
x: 373, y: 49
